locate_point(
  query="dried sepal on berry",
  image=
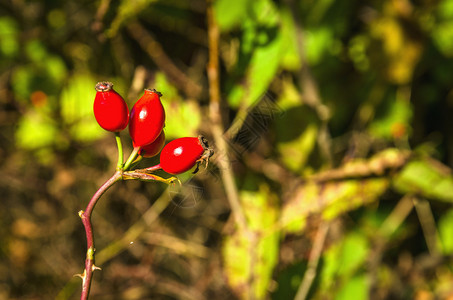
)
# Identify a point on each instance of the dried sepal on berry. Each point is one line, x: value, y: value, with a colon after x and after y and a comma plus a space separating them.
x: 110, y: 109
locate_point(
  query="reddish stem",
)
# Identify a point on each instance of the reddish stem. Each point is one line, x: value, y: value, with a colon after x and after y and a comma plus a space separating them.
x: 86, y: 220
x: 154, y: 168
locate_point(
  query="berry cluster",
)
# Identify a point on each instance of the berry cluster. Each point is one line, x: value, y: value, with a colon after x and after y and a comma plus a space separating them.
x: 146, y: 122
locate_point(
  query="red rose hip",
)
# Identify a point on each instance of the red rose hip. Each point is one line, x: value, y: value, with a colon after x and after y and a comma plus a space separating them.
x: 110, y: 109
x: 154, y: 148
x: 182, y: 154
x: 147, y: 118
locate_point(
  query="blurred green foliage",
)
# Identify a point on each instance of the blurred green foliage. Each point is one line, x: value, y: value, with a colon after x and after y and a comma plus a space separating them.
x: 334, y: 112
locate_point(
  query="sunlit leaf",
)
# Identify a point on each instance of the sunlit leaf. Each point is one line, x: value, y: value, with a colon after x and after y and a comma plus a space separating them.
x: 318, y: 42
x: 261, y: 49
x: 36, y: 50
x: 295, y: 153
x: 295, y: 143
x: 341, y: 263
x: 22, y: 82
x: 446, y: 232
x: 35, y: 131
x: 356, y: 288
x: 45, y: 72
x: 56, y: 68
x: 345, y: 258
x: 346, y: 188
x: 9, y: 44
x: 250, y: 260
x: 77, y: 108
x: 394, y: 121
x: 263, y: 67
x: 354, y: 252
x: 442, y: 33
x: 357, y: 51
x: 427, y: 178
x: 290, y: 56
x: 395, y: 52
x: 231, y: 13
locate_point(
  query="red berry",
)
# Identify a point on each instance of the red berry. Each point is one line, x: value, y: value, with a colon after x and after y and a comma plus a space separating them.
x: 147, y: 118
x: 154, y: 148
x: 182, y: 154
x: 110, y: 109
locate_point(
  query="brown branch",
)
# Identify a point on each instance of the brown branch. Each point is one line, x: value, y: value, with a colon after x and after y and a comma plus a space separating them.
x: 426, y: 218
x: 149, y: 44
x: 216, y: 119
x: 313, y: 262
x: 100, y: 13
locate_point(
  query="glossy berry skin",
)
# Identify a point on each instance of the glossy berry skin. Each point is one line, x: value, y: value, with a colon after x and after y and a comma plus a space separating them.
x: 181, y: 154
x: 110, y: 109
x: 147, y: 118
x: 154, y: 148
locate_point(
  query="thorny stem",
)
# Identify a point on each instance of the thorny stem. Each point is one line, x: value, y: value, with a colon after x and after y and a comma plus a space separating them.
x: 86, y: 220
x: 119, y: 166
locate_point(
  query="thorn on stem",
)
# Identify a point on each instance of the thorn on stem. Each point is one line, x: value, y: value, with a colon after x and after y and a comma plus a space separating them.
x: 94, y: 268
x: 81, y: 212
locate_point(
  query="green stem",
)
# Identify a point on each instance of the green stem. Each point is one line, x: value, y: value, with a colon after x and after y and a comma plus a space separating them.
x: 135, y: 162
x: 131, y: 158
x: 119, y: 166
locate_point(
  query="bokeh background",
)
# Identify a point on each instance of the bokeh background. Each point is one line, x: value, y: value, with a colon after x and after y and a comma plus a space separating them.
x: 332, y: 173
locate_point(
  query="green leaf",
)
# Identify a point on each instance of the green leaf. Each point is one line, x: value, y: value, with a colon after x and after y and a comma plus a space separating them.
x: 261, y: 53
x: 35, y: 131
x: 9, y: 44
x: 336, y: 191
x: 295, y: 153
x: 36, y: 51
x: 45, y: 73
x: 330, y: 199
x: 342, y: 261
x: 356, y: 288
x: 319, y: 41
x: 290, y: 55
x: 250, y: 256
x: 296, y: 143
x: 56, y: 69
x: 446, y: 232
x: 442, y: 33
x: 231, y: 13
x: 77, y: 108
x: 262, y: 69
x: 427, y: 178
x: 354, y: 253
x: 393, y: 121
x: 22, y: 82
